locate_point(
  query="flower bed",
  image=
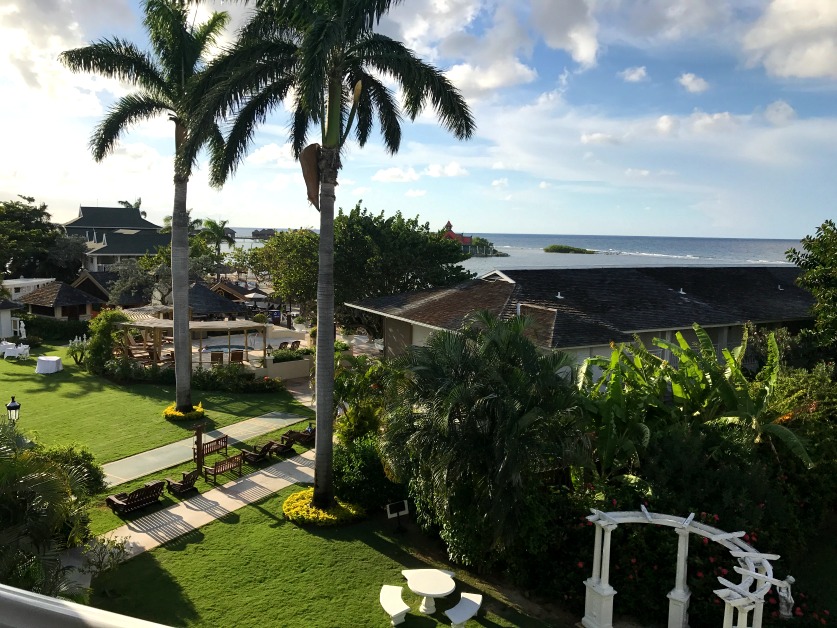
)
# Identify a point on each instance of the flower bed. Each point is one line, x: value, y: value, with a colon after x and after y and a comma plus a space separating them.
x: 297, y: 508
x: 196, y: 414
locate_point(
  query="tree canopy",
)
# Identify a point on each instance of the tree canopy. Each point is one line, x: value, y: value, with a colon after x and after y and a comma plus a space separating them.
x: 33, y: 246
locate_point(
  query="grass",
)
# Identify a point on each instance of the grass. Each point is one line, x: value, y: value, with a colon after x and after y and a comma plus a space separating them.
x: 103, y: 519
x: 112, y: 420
x: 254, y: 568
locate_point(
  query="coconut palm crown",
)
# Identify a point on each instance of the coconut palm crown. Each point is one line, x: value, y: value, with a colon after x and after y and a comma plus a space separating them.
x: 162, y: 80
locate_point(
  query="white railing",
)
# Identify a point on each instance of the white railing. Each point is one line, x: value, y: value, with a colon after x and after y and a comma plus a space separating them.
x: 24, y: 609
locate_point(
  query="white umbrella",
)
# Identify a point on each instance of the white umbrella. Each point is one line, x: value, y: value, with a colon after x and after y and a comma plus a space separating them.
x: 255, y: 295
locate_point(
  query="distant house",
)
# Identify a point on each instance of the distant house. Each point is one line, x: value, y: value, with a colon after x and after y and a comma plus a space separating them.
x: 263, y: 234
x: 449, y: 234
x: 6, y: 327
x: 19, y: 287
x: 583, y: 310
x: 61, y: 301
x: 230, y: 290
x: 98, y: 284
x: 114, y: 234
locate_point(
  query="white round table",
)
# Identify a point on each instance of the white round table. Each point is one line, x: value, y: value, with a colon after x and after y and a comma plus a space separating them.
x: 429, y: 584
x: 48, y: 364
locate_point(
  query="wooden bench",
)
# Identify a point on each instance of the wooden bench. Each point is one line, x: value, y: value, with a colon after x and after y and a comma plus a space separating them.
x: 464, y: 610
x: 210, y: 447
x: 144, y: 496
x: 222, y: 466
x: 393, y: 604
x: 185, y: 485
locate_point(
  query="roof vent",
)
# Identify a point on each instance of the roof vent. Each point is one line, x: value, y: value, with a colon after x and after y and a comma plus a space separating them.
x: 780, y: 287
x: 558, y: 296
x: 682, y: 291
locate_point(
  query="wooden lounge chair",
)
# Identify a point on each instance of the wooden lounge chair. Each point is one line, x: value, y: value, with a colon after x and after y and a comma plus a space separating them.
x: 295, y: 345
x: 236, y: 356
x: 283, y: 345
x: 185, y: 485
x: 305, y: 437
x: 216, y: 357
x: 284, y: 447
x: 259, y: 453
x: 145, y: 496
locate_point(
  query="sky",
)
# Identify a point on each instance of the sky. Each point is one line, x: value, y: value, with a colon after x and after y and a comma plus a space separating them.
x: 711, y: 118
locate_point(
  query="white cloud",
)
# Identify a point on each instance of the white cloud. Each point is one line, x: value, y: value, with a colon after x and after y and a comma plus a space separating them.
x: 779, y: 113
x: 273, y: 154
x: 693, y: 83
x: 634, y: 75
x: 568, y: 25
x: 500, y: 183
x: 452, y: 169
x: 666, y: 20
x: 415, y: 193
x: 471, y: 79
x: 498, y: 165
x: 396, y: 175
x: 713, y: 122
x: 599, y: 138
x: 543, y: 185
x: 637, y: 172
x: 667, y: 125
x: 795, y: 38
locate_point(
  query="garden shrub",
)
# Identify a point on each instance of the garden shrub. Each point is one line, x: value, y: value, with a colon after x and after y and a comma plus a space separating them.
x: 124, y: 369
x: 359, y: 475
x: 53, y: 329
x: 341, y: 345
x: 77, y: 456
x: 288, y: 355
x: 233, y: 378
x: 259, y: 318
x: 33, y: 341
x: 297, y: 508
x: 102, y: 338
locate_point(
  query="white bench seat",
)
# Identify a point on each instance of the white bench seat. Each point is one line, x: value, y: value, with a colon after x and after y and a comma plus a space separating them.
x: 393, y: 604
x: 464, y: 610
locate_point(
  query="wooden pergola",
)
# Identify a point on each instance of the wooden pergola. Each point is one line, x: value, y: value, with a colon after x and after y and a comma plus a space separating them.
x: 156, y: 327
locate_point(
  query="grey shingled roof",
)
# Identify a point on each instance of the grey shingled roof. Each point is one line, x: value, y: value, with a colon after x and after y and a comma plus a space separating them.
x: 129, y: 244
x: 5, y: 304
x: 107, y: 218
x: 58, y: 294
x: 599, y: 305
x: 204, y: 302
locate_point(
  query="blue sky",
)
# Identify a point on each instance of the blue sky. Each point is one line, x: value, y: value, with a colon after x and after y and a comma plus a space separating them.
x: 622, y: 117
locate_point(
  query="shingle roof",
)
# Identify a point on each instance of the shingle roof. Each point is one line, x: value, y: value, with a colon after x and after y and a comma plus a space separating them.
x: 98, y: 283
x: 58, y: 294
x: 203, y: 302
x: 5, y: 304
x: 109, y: 218
x: 129, y: 244
x: 593, y: 306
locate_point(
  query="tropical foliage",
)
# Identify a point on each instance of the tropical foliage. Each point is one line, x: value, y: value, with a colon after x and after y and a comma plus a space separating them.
x: 818, y: 261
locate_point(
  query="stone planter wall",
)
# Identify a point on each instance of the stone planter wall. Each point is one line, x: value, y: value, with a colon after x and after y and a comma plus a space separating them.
x: 289, y: 370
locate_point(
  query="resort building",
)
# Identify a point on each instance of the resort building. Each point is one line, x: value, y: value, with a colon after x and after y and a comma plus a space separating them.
x: 582, y: 310
x: 114, y: 234
x: 61, y: 301
x: 20, y: 287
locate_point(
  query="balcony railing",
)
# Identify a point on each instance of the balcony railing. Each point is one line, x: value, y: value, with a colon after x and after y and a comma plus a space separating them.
x: 24, y: 609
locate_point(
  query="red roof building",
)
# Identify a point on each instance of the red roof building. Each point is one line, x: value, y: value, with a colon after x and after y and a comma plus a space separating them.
x: 462, y: 239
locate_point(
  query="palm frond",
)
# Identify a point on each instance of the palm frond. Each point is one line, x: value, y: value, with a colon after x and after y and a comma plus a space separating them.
x: 126, y: 112
x: 115, y: 58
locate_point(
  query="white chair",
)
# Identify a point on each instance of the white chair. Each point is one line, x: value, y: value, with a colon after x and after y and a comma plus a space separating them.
x: 393, y: 604
x: 24, y: 352
x: 464, y: 610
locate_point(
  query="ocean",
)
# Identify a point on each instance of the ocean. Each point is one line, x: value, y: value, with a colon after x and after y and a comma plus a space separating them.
x: 526, y: 251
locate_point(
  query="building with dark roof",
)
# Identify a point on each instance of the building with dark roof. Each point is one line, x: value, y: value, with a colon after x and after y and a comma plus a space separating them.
x: 61, y: 301
x: 114, y: 234
x: 98, y: 284
x: 583, y: 310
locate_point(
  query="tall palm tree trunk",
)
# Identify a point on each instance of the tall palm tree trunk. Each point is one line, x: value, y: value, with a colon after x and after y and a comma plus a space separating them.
x: 323, y: 487
x: 180, y: 288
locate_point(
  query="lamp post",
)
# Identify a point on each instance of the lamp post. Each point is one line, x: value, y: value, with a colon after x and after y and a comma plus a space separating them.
x: 13, y: 409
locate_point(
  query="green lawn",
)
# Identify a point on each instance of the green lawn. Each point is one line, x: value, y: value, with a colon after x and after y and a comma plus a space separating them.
x: 253, y: 568
x: 103, y: 519
x: 115, y: 421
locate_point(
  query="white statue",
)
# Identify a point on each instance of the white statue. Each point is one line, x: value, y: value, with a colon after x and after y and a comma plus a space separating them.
x: 21, y: 330
x: 785, y: 598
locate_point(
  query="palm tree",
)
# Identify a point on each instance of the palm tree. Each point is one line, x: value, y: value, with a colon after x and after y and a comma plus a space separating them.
x: 163, y: 81
x: 481, y: 419
x: 214, y: 233
x: 135, y: 205
x: 194, y: 224
x: 328, y: 56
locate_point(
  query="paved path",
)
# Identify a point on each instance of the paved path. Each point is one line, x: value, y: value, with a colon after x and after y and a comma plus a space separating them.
x: 194, y: 511
x: 179, y: 452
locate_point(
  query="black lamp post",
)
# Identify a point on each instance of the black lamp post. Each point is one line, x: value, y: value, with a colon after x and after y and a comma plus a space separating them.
x: 13, y: 408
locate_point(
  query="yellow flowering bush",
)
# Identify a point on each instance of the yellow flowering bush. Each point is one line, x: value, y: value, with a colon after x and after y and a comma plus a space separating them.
x: 298, y: 508
x: 196, y: 414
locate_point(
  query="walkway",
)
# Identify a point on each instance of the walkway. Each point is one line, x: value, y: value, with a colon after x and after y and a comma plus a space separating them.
x: 194, y: 511
x: 179, y: 452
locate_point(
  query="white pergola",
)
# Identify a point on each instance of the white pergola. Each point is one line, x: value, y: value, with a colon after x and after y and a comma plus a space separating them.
x: 157, y: 326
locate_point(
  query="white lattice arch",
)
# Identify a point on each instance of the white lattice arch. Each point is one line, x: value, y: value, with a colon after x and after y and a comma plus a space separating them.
x: 741, y: 598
